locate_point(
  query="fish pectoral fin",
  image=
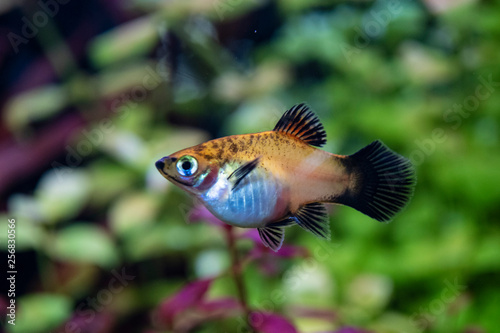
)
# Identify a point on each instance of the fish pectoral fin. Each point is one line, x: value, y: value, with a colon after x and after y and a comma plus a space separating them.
x: 272, y: 237
x: 313, y: 217
x: 302, y: 123
x: 237, y: 176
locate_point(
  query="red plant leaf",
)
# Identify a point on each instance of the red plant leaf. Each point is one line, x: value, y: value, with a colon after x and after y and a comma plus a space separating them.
x: 292, y: 251
x: 189, y: 296
x: 265, y: 322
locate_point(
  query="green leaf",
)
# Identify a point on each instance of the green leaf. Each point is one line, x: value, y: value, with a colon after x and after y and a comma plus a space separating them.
x: 34, y: 105
x: 128, y: 40
x: 61, y: 196
x: 133, y: 211
x: 85, y: 243
x: 40, y: 313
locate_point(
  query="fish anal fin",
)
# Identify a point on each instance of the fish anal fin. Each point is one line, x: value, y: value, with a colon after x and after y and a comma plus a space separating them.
x: 237, y: 176
x: 313, y: 218
x: 302, y: 123
x: 272, y: 237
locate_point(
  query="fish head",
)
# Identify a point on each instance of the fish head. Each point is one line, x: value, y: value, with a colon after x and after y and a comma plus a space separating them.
x: 189, y: 170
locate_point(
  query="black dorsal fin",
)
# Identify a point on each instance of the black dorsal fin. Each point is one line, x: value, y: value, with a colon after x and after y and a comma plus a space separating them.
x: 302, y: 123
x: 313, y: 217
x: 272, y: 237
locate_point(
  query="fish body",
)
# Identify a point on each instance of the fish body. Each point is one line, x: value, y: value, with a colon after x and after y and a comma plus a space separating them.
x: 274, y: 179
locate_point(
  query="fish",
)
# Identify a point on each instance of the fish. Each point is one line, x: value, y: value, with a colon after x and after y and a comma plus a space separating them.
x: 276, y: 179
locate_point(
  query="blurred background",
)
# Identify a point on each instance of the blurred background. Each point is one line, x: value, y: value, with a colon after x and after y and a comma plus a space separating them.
x: 93, y: 92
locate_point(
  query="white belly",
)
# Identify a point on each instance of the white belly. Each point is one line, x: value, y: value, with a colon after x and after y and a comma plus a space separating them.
x: 253, y: 203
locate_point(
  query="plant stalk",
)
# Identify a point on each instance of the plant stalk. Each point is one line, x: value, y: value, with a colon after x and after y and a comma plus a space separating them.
x: 237, y: 276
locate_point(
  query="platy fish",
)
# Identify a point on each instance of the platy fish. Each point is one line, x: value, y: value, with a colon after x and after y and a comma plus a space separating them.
x: 275, y: 179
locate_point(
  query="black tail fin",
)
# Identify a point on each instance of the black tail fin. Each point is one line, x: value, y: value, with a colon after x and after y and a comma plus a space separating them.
x: 383, y: 182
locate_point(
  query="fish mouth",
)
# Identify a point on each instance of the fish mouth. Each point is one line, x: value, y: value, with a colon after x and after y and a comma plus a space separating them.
x: 178, y: 181
x: 160, y: 164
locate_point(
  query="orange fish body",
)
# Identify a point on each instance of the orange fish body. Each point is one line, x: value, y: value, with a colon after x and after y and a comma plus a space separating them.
x: 274, y: 179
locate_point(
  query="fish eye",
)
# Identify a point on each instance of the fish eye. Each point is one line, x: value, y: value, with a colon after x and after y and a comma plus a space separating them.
x: 187, y: 165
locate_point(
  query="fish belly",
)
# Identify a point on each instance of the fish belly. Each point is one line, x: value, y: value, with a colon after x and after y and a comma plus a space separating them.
x: 255, y: 201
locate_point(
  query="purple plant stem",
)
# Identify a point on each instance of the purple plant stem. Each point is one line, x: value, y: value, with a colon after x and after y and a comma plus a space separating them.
x: 238, y: 278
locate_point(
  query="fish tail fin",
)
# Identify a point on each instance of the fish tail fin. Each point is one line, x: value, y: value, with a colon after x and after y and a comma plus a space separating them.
x: 383, y: 182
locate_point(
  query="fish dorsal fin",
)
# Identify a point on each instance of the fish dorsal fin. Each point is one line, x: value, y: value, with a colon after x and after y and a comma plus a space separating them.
x: 272, y: 237
x: 313, y: 217
x: 302, y: 123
